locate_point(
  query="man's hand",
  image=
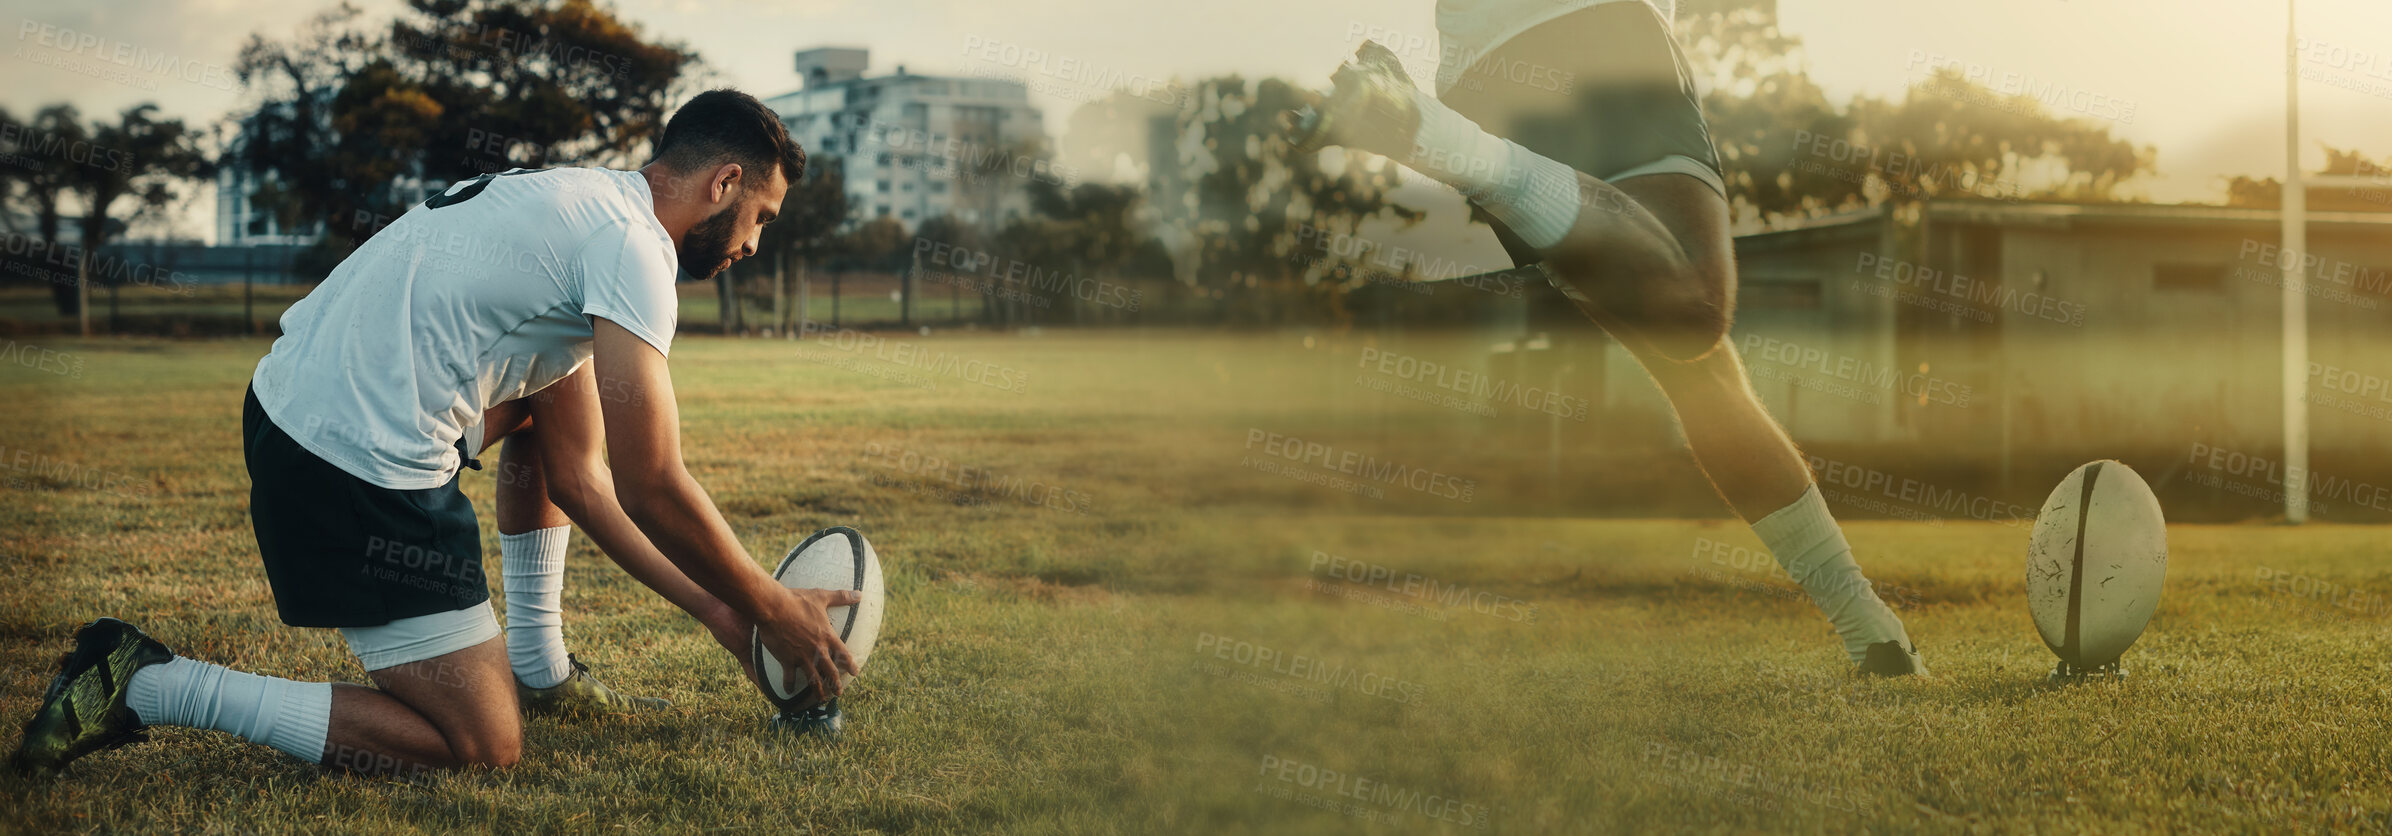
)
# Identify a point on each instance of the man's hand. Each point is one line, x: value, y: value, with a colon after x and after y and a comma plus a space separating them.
x: 736, y: 633
x: 805, y: 643
x: 642, y: 432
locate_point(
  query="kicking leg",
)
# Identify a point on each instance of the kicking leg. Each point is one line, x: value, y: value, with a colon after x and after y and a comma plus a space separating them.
x: 1748, y: 458
x: 1611, y: 250
x: 1650, y: 260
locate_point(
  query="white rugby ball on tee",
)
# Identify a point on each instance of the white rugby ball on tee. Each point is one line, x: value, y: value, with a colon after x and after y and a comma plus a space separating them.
x: 834, y: 558
x: 2095, y: 564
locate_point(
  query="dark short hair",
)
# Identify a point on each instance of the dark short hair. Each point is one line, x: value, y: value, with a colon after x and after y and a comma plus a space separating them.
x: 728, y: 126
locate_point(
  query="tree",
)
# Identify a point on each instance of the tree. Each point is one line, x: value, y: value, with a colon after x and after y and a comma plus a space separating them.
x: 811, y: 215
x: 1248, y: 202
x: 356, y: 122
x: 953, y: 248
x: 1790, y: 153
x: 2268, y: 193
x: 44, y: 173
x: 13, y: 169
x: 529, y: 83
x: 1078, y: 238
x: 145, y: 158
x: 307, y: 172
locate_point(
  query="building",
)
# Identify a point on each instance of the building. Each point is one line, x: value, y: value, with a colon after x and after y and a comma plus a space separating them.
x: 1986, y: 348
x: 2107, y: 325
x: 239, y: 223
x: 916, y: 147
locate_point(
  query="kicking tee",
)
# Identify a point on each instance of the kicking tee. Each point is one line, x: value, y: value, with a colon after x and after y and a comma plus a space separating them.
x: 480, y: 296
x: 1469, y: 29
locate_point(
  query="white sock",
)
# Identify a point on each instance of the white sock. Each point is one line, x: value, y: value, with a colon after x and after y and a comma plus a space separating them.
x: 533, y: 566
x: 1807, y: 542
x: 291, y: 716
x: 1534, y: 196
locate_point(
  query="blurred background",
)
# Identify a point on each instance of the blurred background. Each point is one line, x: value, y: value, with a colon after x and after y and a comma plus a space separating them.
x: 1193, y: 458
x: 1972, y: 248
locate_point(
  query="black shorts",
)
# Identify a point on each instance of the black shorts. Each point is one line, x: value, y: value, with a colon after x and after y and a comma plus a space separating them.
x: 344, y: 552
x: 1602, y: 90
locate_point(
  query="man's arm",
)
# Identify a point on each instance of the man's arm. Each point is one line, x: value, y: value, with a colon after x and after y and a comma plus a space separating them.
x: 572, y: 437
x: 643, y: 446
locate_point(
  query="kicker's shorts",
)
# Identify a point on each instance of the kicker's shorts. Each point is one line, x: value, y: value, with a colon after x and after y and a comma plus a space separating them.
x: 1603, y: 90
x: 422, y: 637
x: 343, y: 552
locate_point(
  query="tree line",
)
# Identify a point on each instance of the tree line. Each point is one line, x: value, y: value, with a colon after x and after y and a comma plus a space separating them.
x: 350, y: 120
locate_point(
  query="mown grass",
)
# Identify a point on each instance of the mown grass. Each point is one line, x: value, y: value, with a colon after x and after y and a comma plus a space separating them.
x: 1121, y: 624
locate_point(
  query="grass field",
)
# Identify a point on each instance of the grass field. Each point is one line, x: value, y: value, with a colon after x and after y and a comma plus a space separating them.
x: 1125, y: 619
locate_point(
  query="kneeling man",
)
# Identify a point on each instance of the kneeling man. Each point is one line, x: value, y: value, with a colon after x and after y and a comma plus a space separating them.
x: 531, y: 306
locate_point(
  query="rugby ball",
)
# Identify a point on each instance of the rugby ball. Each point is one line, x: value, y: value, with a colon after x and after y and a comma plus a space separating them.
x: 2094, y: 566
x: 834, y: 558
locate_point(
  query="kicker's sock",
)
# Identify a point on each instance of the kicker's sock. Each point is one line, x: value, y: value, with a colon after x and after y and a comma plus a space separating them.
x: 291, y: 716
x: 533, y: 566
x: 1534, y: 196
x: 1810, y: 546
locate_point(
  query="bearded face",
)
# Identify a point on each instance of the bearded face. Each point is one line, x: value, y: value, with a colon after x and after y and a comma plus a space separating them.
x: 708, y: 248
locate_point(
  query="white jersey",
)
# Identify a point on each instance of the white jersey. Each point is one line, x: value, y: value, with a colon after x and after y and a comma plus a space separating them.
x: 480, y: 296
x: 1469, y: 29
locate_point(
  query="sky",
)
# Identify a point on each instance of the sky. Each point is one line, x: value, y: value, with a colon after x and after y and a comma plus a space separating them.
x: 2201, y: 80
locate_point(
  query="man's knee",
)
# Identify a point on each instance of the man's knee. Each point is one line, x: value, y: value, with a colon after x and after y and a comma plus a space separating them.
x: 1682, y: 318
x: 1663, y: 306
x: 1689, y: 327
x: 495, y: 749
